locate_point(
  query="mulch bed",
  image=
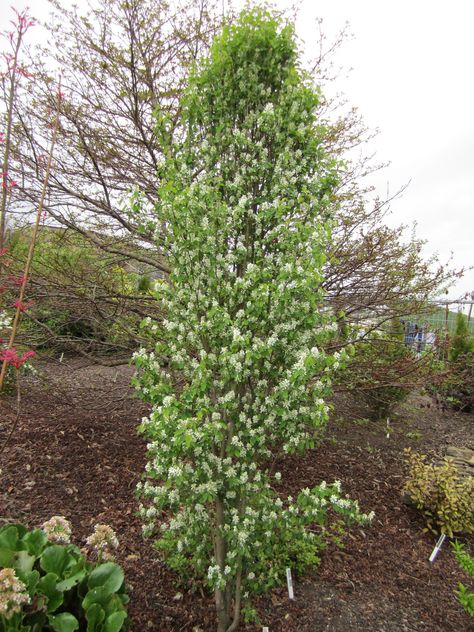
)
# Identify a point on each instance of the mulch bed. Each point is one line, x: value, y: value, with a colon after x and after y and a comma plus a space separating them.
x: 76, y: 453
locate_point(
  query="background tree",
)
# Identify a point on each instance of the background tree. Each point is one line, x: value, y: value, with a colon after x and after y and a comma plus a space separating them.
x: 86, y: 301
x: 462, y: 342
x: 10, y: 77
x: 124, y: 61
x: 246, y: 197
x: 384, y: 370
x: 119, y: 63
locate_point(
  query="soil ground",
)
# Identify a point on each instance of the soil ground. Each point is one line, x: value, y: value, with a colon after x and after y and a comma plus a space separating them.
x: 76, y: 453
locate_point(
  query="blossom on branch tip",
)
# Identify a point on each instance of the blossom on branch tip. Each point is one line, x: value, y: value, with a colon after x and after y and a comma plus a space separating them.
x: 22, y: 306
x: 10, y: 356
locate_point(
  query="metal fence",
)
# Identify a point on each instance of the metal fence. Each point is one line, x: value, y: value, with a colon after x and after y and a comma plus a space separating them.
x: 438, y: 324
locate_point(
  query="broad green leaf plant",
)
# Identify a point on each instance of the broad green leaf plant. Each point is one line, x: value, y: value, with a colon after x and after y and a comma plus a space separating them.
x: 48, y: 584
x: 237, y: 370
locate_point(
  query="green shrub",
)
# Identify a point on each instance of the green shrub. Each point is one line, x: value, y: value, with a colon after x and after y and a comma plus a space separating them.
x: 446, y: 500
x: 77, y: 293
x: 383, y: 371
x: 457, y: 388
x: 48, y: 584
x: 462, y: 342
x: 466, y: 562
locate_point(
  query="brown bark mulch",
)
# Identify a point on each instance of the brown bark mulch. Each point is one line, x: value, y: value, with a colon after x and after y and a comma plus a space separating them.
x: 76, y: 453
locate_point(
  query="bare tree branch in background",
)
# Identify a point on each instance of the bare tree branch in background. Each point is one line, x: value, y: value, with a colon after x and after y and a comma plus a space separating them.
x: 123, y: 69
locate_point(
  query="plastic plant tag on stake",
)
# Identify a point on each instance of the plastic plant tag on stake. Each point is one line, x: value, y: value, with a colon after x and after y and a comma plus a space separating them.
x: 437, y: 548
x: 289, y: 581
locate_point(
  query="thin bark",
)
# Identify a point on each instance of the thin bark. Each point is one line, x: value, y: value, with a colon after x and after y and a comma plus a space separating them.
x: 222, y: 606
x: 6, y: 157
x: 237, y: 600
x: 31, y: 250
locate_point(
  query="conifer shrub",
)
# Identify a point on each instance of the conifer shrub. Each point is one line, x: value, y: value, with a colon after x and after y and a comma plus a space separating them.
x: 462, y: 342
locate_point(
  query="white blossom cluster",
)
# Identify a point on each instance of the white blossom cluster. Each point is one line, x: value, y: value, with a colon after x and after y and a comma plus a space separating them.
x: 247, y: 210
x: 58, y: 530
x: 103, y: 538
x: 5, y: 321
x: 13, y: 594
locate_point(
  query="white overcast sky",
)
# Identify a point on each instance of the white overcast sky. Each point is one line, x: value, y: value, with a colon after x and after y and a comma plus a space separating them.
x: 408, y: 68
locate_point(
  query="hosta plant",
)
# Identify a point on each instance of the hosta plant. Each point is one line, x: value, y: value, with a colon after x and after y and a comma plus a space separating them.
x: 47, y: 583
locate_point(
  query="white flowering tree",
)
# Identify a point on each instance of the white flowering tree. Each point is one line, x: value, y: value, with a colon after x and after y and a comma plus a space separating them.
x: 238, y: 372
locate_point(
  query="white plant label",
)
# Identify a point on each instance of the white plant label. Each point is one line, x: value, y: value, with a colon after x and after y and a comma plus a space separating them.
x: 265, y: 629
x: 289, y: 581
x: 388, y: 428
x: 437, y: 548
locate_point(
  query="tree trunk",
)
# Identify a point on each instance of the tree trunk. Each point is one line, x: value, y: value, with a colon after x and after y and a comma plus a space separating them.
x: 221, y: 595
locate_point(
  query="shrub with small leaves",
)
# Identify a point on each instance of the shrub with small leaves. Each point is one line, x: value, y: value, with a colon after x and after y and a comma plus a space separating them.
x: 445, y: 499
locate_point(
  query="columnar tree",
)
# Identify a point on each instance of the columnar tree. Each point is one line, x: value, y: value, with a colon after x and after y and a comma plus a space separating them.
x: 238, y: 371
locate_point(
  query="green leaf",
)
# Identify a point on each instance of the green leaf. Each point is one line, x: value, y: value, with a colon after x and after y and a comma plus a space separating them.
x: 56, y: 559
x: 7, y: 557
x: 23, y: 561
x: 64, y: 622
x: 115, y: 622
x: 35, y: 541
x: 113, y: 604
x: 94, y: 615
x: 108, y: 575
x: 30, y: 579
x: 47, y: 586
x: 96, y: 595
x: 124, y: 598
x: 71, y: 581
x: 10, y: 537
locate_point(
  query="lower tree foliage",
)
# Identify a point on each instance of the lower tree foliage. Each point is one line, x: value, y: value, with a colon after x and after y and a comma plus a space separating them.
x: 239, y: 370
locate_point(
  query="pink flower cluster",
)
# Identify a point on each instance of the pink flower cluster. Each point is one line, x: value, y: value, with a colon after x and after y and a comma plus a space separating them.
x: 10, y: 356
x: 22, y: 306
x: 8, y: 183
